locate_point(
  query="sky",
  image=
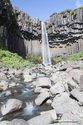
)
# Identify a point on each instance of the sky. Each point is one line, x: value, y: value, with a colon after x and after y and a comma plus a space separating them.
x: 44, y: 8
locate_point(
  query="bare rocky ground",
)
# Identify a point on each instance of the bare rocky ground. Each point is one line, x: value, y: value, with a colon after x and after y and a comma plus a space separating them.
x: 61, y: 87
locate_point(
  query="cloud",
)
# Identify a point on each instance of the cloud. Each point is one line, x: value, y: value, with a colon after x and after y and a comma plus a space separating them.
x: 78, y: 4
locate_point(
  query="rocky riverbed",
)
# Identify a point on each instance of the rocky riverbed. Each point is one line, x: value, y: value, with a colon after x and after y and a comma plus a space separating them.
x: 51, y: 95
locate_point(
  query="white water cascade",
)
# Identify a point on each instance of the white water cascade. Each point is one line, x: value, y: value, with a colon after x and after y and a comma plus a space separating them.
x: 45, y: 47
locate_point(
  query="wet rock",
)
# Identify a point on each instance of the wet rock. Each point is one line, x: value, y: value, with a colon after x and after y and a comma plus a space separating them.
x: 4, y: 123
x: 18, y: 122
x: 52, y: 112
x: 8, y: 93
x: 42, y: 97
x: 44, y: 119
x: 64, y: 103
x: 43, y: 82
x: 11, y: 106
x: 12, y: 84
x: 78, y: 95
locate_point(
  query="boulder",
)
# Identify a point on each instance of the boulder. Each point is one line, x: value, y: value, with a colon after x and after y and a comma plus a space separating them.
x: 37, y: 90
x: 18, y: 122
x: 69, y: 64
x: 42, y: 97
x: 78, y: 95
x: 72, y: 85
x: 18, y: 72
x: 28, y: 78
x: 11, y: 71
x: 72, y: 73
x: 64, y: 103
x: 52, y: 112
x: 54, y: 77
x: 3, y: 83
x: 4, y: 123
x: 70, y: 117
x: 78, y: 78
x: 12, y: 105
x: 43, y: 82
x: 58, y: 88
x: 44, y: 119
x: 49, y: 102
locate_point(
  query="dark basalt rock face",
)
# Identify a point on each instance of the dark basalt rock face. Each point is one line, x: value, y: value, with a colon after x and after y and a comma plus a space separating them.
x: 18, y: 32
x: 66, y: 26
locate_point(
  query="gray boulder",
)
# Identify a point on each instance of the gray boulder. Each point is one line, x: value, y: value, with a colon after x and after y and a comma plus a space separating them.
x: 44, y: 119
x: 78, y: 95
x: 18, y: 122
x: 58, y: 88
x: 43, y: 82
x: 52, y: 112
x: 4, y: 123
x: 42, y: 97
x: 64, y: 103
x: 12, y: 105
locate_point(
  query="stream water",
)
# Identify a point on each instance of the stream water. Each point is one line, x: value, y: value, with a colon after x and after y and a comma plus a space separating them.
x: 25, y: 93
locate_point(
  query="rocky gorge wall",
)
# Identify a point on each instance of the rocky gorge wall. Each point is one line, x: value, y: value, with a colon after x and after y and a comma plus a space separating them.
x: 21, y: 34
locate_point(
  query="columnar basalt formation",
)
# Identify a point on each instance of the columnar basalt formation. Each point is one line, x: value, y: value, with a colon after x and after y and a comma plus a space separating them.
x: 21, y: 34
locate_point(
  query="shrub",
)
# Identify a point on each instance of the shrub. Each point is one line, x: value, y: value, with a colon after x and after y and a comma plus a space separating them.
x: 34, y: 59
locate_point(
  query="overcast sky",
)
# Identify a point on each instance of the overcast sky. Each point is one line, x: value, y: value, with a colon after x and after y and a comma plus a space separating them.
x: 44, y: 8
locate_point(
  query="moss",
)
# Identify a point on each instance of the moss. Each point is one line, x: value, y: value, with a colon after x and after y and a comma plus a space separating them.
x: 68, y: 58
x: 29, y: 21
x: 71, y: 12
x: 34, y: 59
x: 47, y: 26
x: 53, y: 14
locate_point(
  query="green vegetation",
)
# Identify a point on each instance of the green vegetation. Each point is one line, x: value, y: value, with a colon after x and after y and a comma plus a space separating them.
x: 12, y: 59
x: 34, y: 59
x: 47, y: 26
x: 29, y: 21
x: 68, y: 58
x: 71, y: 12
x: 63, y: 12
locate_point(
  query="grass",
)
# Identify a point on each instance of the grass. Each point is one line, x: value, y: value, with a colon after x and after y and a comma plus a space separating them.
x: 71, y: 12
x: 68, y: 58
x: 12, y: 59
x: 34, y: 59
x: 29, y: 21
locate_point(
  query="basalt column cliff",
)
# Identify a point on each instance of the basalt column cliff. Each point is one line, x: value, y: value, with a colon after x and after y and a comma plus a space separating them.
x: 21, y: 34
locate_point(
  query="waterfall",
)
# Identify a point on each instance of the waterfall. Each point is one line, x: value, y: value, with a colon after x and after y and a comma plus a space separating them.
x: 45, y: 47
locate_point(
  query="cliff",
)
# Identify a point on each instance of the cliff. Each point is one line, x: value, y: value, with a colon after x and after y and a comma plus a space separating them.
x: 21, y: 34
